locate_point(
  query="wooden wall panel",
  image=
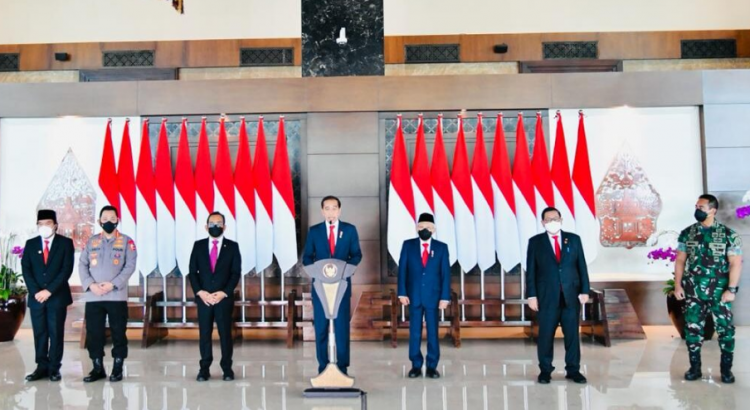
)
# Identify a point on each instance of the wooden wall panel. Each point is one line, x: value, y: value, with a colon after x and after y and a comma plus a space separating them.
x: 36, y: 57
x: 474, y: 48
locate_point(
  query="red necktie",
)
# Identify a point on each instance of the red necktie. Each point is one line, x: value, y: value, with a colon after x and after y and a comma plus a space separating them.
x: 46, y: 251
x: 332, y: 240
x: 424, y: 254
x: 557, y: 248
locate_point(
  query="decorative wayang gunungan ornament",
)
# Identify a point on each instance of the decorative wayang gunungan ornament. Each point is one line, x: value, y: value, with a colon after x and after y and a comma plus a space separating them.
x: 628, y: 206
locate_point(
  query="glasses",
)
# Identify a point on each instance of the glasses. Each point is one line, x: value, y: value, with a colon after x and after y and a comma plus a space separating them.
x: 548, y: 220
x: 216, y: 225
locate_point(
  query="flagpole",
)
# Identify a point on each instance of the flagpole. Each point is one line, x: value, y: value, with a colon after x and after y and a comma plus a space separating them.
x: 282, y: 297
x: 481, y: 292
x: 502, y: 294
x: 463, y: 297
x: 242, y: 295
x: 184, y: 299
x: 523, y: 292
x: 262, y: 296
x: 164, y: 288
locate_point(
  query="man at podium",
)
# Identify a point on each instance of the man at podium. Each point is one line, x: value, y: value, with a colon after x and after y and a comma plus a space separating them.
x: 338, y: 240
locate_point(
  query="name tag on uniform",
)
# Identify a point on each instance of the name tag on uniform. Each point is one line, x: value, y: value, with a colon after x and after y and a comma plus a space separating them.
x: 720, y: 248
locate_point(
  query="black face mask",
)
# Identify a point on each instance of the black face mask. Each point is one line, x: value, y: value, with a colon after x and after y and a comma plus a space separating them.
x: 109, y: 227
x: 425, y: 234
x: 700, y: 216
x: 215, y: 231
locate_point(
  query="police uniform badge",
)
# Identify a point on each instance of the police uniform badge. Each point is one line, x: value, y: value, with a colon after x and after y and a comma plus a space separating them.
x: 131, y: 245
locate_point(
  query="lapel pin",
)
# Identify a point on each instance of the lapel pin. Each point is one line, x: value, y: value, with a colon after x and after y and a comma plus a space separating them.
x: 39, y: 251
x: 341, y: 234
x: 432, y: 253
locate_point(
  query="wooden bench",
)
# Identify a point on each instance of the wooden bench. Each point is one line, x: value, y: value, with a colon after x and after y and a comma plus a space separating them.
x: 304, y: 314
x: 451, y: 320
x: 132, y: 323
x: 595, y: 325
x: 156, y: 329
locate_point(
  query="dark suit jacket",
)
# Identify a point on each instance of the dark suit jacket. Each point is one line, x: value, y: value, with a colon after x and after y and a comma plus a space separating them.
x: 227, y: 272
x: 54, y: 275
x: 424, y: 285
x: 545, y: 276
x: 347, y: 245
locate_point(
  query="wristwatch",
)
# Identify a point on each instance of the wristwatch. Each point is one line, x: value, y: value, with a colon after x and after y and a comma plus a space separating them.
x: 733, y: 289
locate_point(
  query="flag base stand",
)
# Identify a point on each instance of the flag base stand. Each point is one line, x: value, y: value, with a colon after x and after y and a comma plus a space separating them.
x: 337, y: 393
x: 332, y: 378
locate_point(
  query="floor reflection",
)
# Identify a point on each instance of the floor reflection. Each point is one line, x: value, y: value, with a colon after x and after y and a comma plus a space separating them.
x: 483, y: 374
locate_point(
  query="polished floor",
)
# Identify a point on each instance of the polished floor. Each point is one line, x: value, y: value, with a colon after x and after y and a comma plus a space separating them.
x: 483, y: 374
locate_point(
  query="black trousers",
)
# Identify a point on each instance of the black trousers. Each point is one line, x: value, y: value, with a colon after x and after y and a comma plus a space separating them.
x: 48, y: 323
x: 97, y: 314
x: 221, y: 314
x: 549, y: 319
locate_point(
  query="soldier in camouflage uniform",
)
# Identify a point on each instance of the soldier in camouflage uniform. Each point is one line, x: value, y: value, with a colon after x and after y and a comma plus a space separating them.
x: 707, y: 274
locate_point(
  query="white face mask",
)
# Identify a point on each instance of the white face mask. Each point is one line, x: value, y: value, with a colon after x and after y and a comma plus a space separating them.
x: 45, y: 231
x: 553, y: 227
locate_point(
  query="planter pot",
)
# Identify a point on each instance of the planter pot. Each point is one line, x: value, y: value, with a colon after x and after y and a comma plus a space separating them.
x: 676, y: 309
x: 12, y: 313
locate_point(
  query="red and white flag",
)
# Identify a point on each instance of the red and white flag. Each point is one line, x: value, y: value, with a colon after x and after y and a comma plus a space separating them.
x: 109, y: 191
x: 401, y: 212
x: 540, y: 172
x: 507, y: 244
x: 145, y: 206
x: 126, y: 184
x: 420, y: 175
x: 484, y: 208
x: 165, y: 244
x: 463, y: 201
x: 442, y: 189
x: 284, y: 226
x: 184, y: 184
x: 245, y: 205
x: 263, y: 204
x: 204, y: 184
x: 523, y: 190
x: 561, y: 179
x: 587, y: 226
x: 224, y: 183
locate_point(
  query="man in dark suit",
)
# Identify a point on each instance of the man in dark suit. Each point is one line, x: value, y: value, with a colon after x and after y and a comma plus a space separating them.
x: 424, y: 284
x: 338, y: 240
x: 215, y: 268
x: 557, y: 283
x: 47, y: 264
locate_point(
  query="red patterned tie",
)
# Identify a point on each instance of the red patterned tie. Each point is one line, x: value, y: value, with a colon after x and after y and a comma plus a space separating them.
x: 425, y: 254
x: 557, y: 248
x: 332, y: 240
x: 46, y: 251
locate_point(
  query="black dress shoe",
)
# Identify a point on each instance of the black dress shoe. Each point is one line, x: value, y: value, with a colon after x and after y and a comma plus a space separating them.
x: 55, y: 376
x: 37, y: 374
x: 415, y: 372
x: 576, y: 377
x: 544, y: 377
x: 432, y: 374
x: 228, y: 376
x: 203, y: 376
